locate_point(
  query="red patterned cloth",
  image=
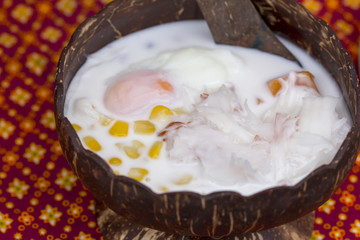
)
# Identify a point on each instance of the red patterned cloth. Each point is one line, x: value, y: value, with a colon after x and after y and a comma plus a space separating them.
x: 40, y: 197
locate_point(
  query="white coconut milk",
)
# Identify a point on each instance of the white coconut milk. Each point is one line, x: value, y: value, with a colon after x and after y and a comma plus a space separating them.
x: 234, y: 134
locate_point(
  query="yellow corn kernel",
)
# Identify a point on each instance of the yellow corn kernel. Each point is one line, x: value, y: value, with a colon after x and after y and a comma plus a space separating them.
x: 186, y: 179
x: 92, y: 143
x: 119, y: 129
x: 137, y: 144
x: 116, y: 172
x: 144, y: 127
x: 133, y: 151
x: 115, y: 161
x: 161, y: 114
x: 179, y: 111
x: 104, y: 120
x: 155, y: 150
x: 164, y: 189
x: 137, y: 173
x: 76, y: 127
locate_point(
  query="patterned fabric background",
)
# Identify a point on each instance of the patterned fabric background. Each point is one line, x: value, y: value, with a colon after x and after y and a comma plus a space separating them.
x: 40, y: 197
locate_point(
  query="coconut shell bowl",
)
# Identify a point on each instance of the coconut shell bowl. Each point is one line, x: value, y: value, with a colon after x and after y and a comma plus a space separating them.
x: 129, y: 210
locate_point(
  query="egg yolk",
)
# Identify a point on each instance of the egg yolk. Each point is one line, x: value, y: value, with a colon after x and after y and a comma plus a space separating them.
x: 138, y: 91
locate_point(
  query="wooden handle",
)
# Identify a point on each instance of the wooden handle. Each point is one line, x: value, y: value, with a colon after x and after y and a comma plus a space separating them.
x: 237, y: 22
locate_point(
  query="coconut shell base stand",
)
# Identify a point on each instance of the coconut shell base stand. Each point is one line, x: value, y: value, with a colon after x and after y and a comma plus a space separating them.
x: 115, y: 227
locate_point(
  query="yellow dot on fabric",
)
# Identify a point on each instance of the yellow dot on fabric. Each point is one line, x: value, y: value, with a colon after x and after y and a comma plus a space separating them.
x: 26, y: 171
x: 28, y: 81
x: 82, y: 194
x: 342, y: 216
x: 348, y: 16
x: 91, y: 224
x: 3, y: 175
x: 21, y: 228
x: 58, y: 197
x: 51, y: 191
x: 9, y: 205
x: 19, y: 165
x: 350, y: 188
x: 12, y: 112
x: 6, y: 167
x: 84, y: 218
x: 50, y: 165
x: 33, y: 177
x: 327, y: 226
x: 19, y: 141
x: 67, y: 228
x: 43, y: 136
x: 34, y: 201
x: 339, y: 223
x: 35, y: 108
x: 344, y: 209
x: 5, y: 84
x: 65, y: 203
x: 37, y: 194
x: 70, y: 221
x: 353, y: 178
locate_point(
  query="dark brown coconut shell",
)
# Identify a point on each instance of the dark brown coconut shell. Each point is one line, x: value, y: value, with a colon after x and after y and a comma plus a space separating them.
x: 222, y: 213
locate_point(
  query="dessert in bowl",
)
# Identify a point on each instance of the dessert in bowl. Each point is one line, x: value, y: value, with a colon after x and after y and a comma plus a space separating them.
x: 220, y: 213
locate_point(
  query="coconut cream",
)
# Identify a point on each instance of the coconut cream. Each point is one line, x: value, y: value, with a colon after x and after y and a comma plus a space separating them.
x: 170, y: 108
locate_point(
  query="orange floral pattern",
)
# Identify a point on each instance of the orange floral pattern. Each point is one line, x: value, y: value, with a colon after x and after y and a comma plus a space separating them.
x: 34, y: 153
x: 22, y: 13
x: 50, y: 215
x: 20, y: 96
x: 40, y: 197
x: 5, y: 222
x: 26, y: 218
x: 36, y: 63
x: 337, y: 233
x: 66, y: 179
x: 74, y: 210
x: 7, y: 40
x: 18, y: 188
x: 6, y: 128
x: 355, y: 228
x: 327, y: 207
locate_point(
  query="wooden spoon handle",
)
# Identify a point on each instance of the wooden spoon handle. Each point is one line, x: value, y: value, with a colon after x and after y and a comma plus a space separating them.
x: 237, y: 22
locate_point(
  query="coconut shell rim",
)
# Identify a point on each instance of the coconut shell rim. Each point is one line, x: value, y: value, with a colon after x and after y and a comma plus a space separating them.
x: 355, y: 126
x: 353, y: 135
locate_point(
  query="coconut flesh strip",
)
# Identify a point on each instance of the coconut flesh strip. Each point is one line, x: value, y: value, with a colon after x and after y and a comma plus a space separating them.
x: 228, y: 139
